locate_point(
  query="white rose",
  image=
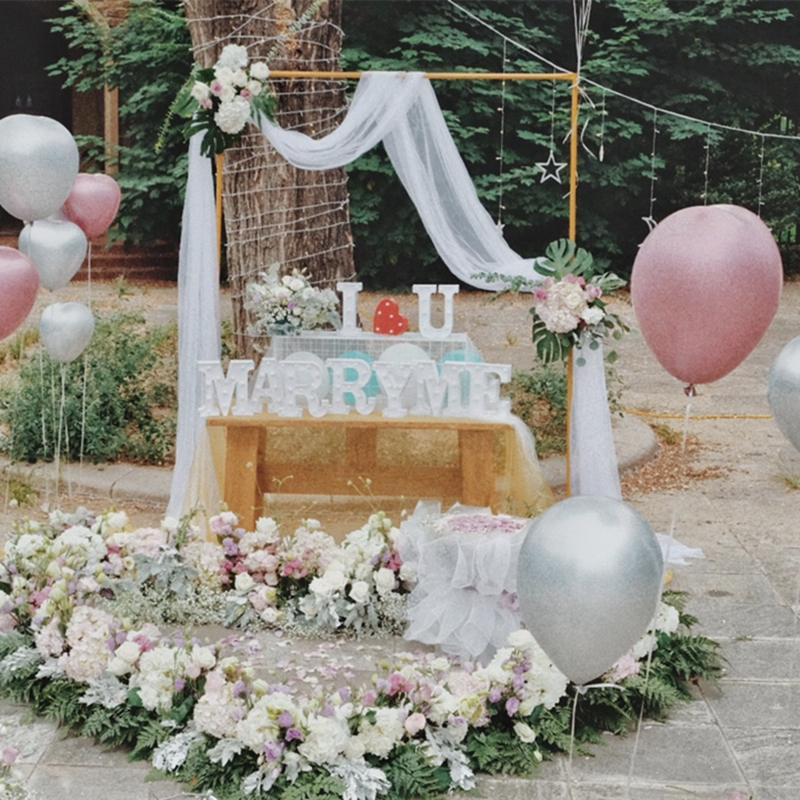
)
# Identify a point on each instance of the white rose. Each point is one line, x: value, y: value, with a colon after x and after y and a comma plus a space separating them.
x: 244, y: 582
x: 295, y: 284
x: 259, y: 71
x: 384, y: 581
x: 524, y: 732
x: 224, y: 75
x: 226, y: 95
x: 203, y: 656
x: 254, y: 87
x: 592, y: 315
x: 239, y: 78
x: 270, y: 615
x: 116, y: 666
x: 128, y: 651
x: 359, y: 591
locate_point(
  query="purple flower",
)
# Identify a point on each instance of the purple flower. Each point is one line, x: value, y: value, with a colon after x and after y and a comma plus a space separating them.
x: 180, y: 684
x: 285, y: 720
x: 240, y: 689
x: 273, y: 750
x: 495, y: 695
x: 294, y: 733
x: 512, y: 706
x: 231, y: 548
x: 344, y: 693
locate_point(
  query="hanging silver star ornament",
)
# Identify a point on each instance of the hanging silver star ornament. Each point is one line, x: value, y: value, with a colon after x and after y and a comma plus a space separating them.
x: 551, y: 169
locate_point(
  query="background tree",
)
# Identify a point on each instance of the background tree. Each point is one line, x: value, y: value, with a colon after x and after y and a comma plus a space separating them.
x: 275, y: 213
x: 147, y: 57
x: 728, y: 61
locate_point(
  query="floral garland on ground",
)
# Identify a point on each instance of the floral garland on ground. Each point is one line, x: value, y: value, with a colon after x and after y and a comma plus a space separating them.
x: 202, y: 714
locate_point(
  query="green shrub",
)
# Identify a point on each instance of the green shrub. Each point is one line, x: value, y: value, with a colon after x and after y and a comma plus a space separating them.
x: 125, y: 412
x: 539, y: 397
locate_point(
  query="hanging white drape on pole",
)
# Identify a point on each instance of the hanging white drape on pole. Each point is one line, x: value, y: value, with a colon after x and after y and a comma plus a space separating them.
x: 401, y: 110
x: 198, y: 314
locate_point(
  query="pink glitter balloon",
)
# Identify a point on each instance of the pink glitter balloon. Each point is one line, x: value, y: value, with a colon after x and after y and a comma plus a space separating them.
x: 705, y: 287
x: 93, y: 203
x: 19, y: 285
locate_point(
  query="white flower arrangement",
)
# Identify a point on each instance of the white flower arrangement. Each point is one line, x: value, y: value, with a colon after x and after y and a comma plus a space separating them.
x: 222, y: 99
x: 289, y: 304
x: 212, y: 700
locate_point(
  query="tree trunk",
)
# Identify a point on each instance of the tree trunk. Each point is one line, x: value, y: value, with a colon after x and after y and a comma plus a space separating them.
x: 273, y: 212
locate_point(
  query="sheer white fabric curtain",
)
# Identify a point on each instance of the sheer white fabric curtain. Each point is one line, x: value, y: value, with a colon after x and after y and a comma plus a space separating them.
x: 401, y: 110
x: 198, y: 314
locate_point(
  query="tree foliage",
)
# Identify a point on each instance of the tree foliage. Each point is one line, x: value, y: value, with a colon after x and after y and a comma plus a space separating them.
x: 726, y: 61
x: 147, y: 57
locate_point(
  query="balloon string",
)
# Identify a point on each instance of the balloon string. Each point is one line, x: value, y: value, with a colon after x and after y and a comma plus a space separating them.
x: 578, y: 692
x: 60, y: 425
x: 85, y: 360
x: 670, y: 540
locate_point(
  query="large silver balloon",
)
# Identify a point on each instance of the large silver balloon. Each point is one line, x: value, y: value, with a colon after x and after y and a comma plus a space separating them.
x: 57, y: 249
x: 783, y: 391
x: 38, y: 165
x: 65, y: 330
x: 589, y: 581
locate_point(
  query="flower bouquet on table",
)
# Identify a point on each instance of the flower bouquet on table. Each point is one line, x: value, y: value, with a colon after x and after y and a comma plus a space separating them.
x: 221, y: 99
x: 289, y: 304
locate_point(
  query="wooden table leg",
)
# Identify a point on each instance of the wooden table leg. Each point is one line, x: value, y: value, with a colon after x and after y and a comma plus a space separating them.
x: 241, y: 467
x: 477, y: 467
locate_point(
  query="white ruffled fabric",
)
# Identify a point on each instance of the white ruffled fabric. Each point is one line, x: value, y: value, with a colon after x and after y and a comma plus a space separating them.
x: 465, y: 597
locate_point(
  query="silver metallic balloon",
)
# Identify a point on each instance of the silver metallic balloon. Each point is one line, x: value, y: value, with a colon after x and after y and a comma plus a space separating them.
x: 783, y: 391
x: 38, y: 165
x: 65, y: 330
x: 589, y: 580
x: 57, y: 249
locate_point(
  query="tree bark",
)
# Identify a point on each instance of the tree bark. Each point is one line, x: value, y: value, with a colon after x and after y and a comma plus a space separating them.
x: 273, y: 212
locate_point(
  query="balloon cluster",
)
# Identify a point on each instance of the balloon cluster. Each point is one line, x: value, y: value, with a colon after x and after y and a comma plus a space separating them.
x: 61, y: 209
x: 705, y: 286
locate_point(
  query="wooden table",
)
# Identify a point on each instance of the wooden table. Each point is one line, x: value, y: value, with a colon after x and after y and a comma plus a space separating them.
x: 246, y: 471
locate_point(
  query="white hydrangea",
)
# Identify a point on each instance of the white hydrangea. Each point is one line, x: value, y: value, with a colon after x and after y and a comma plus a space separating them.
x: 325, y: 740
x: 233, y: 56
x: 232, y: 114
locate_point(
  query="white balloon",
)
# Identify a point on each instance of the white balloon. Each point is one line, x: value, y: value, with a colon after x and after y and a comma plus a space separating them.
x: 39, y: 162
x: 57, y: 249
x: 66, y: 330
x: 588, y: 582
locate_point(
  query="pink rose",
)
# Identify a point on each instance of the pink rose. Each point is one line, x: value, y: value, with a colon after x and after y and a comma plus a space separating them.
x: 415, y: 723
x: 9, y: 756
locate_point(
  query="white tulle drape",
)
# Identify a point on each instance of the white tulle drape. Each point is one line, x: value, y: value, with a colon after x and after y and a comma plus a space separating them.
x: 401, y: 110
x: 198, y: 315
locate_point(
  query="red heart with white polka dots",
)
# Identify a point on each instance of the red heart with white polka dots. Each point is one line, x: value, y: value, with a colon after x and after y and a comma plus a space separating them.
x: 388, y: 319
